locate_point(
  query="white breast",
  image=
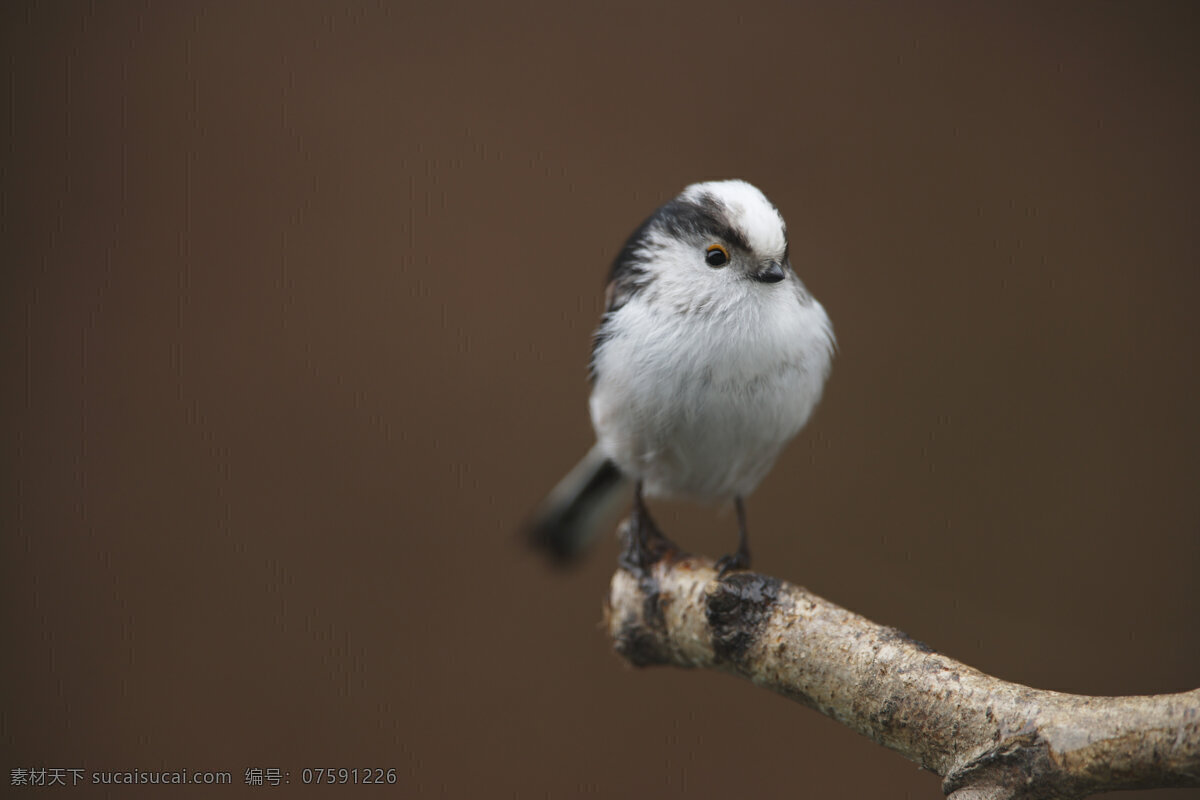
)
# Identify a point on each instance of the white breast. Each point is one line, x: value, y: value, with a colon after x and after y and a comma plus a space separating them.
x: 699, y: 402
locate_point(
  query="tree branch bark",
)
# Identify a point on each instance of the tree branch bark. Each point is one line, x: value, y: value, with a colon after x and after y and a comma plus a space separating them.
x: 989, y: 739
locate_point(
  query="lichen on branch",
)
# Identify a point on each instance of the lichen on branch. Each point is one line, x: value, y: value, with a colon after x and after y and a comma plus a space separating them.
x: 987, y: 738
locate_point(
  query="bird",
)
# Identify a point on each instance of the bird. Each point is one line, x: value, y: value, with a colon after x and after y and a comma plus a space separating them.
x: 710, y: 356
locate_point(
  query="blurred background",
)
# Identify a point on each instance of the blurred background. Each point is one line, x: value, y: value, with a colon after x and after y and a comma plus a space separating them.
x: 297, y: 305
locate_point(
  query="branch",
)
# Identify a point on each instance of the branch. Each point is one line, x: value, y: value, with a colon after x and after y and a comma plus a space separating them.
x: 989, y: 739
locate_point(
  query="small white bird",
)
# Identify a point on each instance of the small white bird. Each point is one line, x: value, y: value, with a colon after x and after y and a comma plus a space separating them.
x: 710, y: 357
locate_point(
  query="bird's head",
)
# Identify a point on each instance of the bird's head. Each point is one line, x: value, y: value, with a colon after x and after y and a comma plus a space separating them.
x: 716, y: 238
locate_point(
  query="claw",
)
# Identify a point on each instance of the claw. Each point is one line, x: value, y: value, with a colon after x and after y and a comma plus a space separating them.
x: 645, y: 544
x: 732, y: 562
x: 741, y: 558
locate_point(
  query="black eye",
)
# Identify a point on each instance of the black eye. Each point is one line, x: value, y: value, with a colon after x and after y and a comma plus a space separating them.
x: 717, y: 256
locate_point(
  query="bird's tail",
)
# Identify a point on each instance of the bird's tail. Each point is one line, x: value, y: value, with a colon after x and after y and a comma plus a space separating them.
x: 577, y: 508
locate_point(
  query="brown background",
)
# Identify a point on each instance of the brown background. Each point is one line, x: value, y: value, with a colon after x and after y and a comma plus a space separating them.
x: 296, y: 308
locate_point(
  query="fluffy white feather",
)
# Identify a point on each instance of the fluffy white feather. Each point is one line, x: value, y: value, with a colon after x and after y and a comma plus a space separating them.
x: 705, y: 375
x: 711, y: 356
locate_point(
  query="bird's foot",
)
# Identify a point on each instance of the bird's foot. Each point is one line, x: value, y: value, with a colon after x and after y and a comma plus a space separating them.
x: 734, y: 561
x: 645, y: 544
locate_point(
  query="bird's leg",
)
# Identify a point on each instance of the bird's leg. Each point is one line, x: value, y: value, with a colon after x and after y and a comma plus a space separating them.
x: 646, y: 544
x: 741, y: 558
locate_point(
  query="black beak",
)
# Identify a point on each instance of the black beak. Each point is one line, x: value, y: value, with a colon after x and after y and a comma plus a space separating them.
x: 772, y: 273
